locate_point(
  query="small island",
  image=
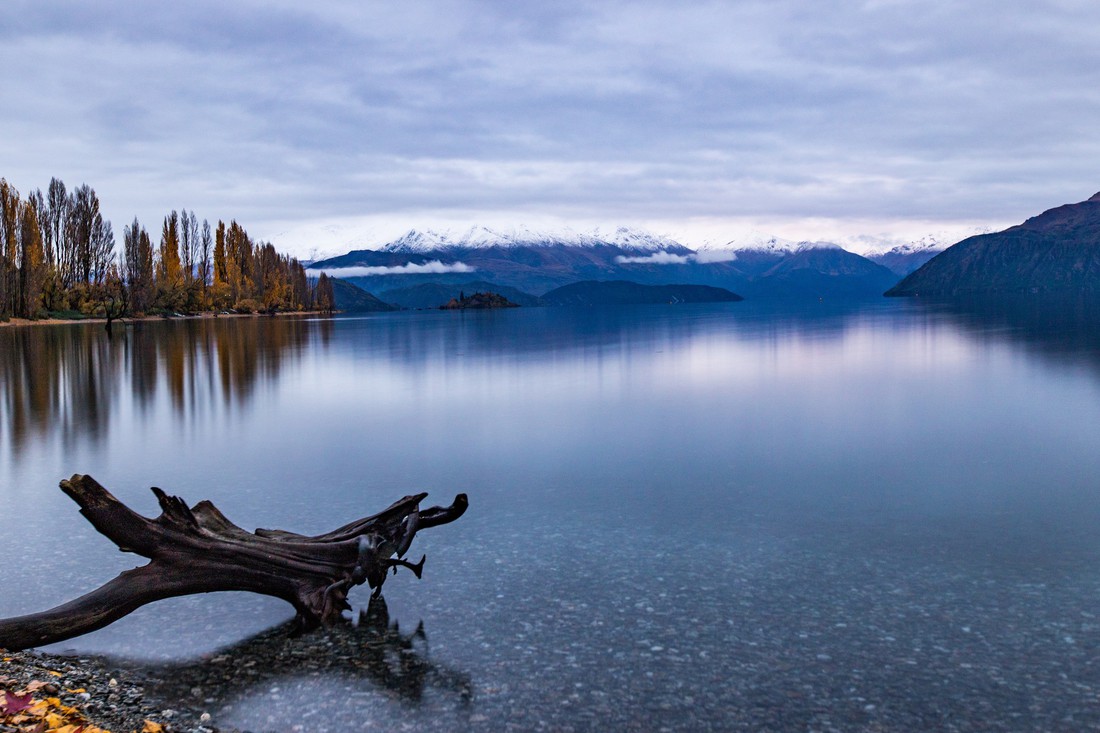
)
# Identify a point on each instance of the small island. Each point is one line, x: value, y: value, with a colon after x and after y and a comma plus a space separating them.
x: 478, y: 301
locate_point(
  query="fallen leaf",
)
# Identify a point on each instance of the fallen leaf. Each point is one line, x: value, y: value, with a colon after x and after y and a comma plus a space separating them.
x: 55, y: 674
x: 14, y: 704
x: 35, y: 685
x: 151, y: 727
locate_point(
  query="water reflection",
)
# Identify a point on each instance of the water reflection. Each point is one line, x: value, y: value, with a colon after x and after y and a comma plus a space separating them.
x: 56, y: 380
x: 868, y: 516
x: 371, y: 655
x: 68, y: 381
x: 1063, y: 329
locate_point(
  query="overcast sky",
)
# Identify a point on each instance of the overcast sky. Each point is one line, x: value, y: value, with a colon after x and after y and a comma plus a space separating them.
x: 317, y: 125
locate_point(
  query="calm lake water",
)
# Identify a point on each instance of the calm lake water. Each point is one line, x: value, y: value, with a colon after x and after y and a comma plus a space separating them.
x: 793, y: 517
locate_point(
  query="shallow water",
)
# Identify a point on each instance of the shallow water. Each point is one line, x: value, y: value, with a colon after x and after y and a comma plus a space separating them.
x: 727, y: 516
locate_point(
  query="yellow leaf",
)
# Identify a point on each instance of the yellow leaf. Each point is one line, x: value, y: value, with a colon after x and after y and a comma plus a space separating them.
x: 54, y: 720
x: 65, y: 729
x: 55, y: 674
x: 151, y: 727
x: 76, y: 691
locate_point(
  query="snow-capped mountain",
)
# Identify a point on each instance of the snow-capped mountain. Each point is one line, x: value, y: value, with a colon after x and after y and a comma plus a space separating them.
x: 765, y: 243
x: 754, y: 241
x: 904, y: 258
x: 535, y: 262
x: 481, y: 237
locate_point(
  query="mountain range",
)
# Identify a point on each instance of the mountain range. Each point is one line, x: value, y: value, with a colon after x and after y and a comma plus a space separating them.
x: 905, y: 258
x: 1057, y: 251
x: 535, y: 263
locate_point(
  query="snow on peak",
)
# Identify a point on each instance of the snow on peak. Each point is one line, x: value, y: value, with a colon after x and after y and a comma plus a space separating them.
x: 637, y: 239
x: 482, y: 237
x: 755, y: 242
x: 803, y: 246
x: 927, y: 243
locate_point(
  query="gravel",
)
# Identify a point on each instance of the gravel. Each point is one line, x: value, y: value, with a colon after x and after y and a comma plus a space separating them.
x: 111, y: 698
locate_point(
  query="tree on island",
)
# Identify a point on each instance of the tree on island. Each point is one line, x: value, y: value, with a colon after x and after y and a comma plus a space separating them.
x: 478, y: 301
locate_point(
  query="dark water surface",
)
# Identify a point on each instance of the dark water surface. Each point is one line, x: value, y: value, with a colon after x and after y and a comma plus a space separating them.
x: 877, y: 516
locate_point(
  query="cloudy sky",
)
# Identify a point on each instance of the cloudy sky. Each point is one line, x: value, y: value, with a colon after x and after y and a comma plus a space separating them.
x: 334, y: 124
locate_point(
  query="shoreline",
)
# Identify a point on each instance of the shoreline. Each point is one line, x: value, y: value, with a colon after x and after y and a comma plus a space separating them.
x: 208, y: 315
x: 80, y: 692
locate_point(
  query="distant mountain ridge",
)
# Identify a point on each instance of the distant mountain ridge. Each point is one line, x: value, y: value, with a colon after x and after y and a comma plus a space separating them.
x: 905, y: 258
x: 481, y: 237
x: 1057, y: 251
x: 352, y: 299
x: 535, y: 263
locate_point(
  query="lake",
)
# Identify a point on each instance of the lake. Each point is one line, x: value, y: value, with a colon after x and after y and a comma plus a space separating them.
x: 878, y: 516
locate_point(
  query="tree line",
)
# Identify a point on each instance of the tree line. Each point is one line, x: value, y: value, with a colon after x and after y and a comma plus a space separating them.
x: 58, y: 256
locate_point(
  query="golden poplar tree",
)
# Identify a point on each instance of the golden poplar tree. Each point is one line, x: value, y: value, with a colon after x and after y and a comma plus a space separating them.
x: 32, y: 263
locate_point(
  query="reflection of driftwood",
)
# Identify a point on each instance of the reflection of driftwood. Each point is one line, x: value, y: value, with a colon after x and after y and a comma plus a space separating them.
x: 198, y: 550
x: 375, y: 651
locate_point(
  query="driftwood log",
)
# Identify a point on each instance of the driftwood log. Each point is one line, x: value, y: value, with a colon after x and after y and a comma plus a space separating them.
x: 197, y: 550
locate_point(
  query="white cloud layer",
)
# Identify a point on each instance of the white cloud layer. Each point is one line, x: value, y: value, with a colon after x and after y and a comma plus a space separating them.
x: 784, y: 112
x: 435, y: 267
x: 657, y: 258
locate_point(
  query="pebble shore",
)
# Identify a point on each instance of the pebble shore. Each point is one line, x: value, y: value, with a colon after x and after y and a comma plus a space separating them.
x: 107, y: 698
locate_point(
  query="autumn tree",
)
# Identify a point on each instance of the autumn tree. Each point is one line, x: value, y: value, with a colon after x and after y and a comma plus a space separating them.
x: 112, y: 297
x: 57, y: 252
x: 324, y: 299
x: 9, y: 237
x: 220, y: 292
x: 32, y: 264
x: 299, y: 283
x: 239, y: 263
x: 169, y: 275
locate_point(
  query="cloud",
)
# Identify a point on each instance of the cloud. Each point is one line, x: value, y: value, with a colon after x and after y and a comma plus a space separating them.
x: 435, y: 267
x: 884, y: 110
x: 715, y: 255
x: 657, y: 258
x: 706, y: 256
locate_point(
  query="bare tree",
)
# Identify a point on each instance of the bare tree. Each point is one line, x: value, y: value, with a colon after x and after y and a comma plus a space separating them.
x: 101, y: 248
x: 53, y: 226
x: 206, y: 245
